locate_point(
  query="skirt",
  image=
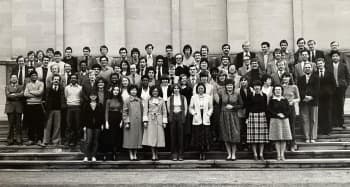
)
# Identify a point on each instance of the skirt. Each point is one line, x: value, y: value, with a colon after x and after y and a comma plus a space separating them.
x: 279, y: 129
x: 201, y: 136
x: 111, y: 139
x: 257, y: 129
x: 229, y: 127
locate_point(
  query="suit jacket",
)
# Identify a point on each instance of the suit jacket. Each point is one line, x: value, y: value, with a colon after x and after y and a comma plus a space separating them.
x: 41, y: 75
x: 49, y: 98
x: 194, y: 109
x: 318, y: 54
x: 137, y: 79
x: 164, y: 72
x: 14, y: 99
x: 309, y: 89
x: 73, y: 61
x: 15, y: 72
x: 243, y: 70
x: 181, y: 70
x: 239, y: 59
x: 327, y: 83
x: 153, y: 58
x: 343, y: 74
x: 260, y: 57
x: 272, y: 67
x: 87, y: 88
x: 343, y: 59
x: 89, y: 59
x: 298, y: 70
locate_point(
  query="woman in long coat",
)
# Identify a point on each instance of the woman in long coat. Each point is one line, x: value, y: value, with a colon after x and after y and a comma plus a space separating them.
x: 156, y: 115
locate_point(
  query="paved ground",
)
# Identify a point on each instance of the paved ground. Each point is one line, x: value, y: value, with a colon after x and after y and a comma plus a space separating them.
x: 251, y: 178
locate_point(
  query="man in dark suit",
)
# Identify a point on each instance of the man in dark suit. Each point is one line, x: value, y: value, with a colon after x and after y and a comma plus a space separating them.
x: 71, y: 60
x: 150, y: 58
x: 246, y: 52
x: 335, y: 47
x: 265, y: 56
x: 327, y: 88
x: 21, y: 70
x: 88, y: 86
x: 169, y: 58
x: 308, y: 85
x: 160, y: 67
x: 313, y: 52
x: 342, y: 79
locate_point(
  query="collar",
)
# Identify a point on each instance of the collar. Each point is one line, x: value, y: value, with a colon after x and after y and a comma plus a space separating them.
x: 132, y: 99
x: 277, y: 98
x: 258, y: 93
x: 71, y: 85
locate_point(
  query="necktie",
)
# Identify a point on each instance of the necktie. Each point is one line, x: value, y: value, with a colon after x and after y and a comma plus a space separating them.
x: 133, y: 78
x: 20, y: 76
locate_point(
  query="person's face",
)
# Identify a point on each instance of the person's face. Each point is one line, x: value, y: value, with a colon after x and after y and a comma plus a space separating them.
x: 58, y: 58
x: 49, y: 54
x: 169, y: 52
x: 92, y: 76
x: 264, y: 48
x: 100, y: 84
x: 104, y: 51
x: 45, y: 61
x: 114, y: 79
x: 123, y: 53
x: 172, y: 71
x: 257, y: 88
x: 311, y: 45
x: 73, y: 79
x: 204, y: 52
x: 56, y: 80
x: 54, y: 69
x: 255, y: 65
x: 268, y: 82
x: 145, y: 82
x: 104, y: 62
x: 244, y: 82
x: 184, y: 80
x: 135, y: 55
x: 222, y: 77
x: 232, y: 69
x: 93, y: 97
x: 214, y: 73
x: 133, y: 92
x: 83, y: 66
x: 176, y: 90
x: 97, y: 71
x: 68, y: 53
x: 21, y: 61
x: 155, y: 92
x: 133, y: 69
x: 149, y: 50
x: 193, y: 70
x: 187, y: 52
x: 301, y: 44
x: 14, y: 79
x: 143, y: 63
x: 40, y: 55
x: 125, y: 82
x: 204, y: 79
x: 247, y: 62
x: 286, y: 79
x: 200, y: 90
x: 115, y: 91
x: 307, y: 69
x: 284, y: 46
x: 160, y: 62
x: 278, y: 91
x: 86, y: 52
x: 320, y: 64
x: 67, y: 68
x: 197, y: 57
x: 305, y: 56
x: 224, y: 61
x: 124, y: 66
x: 151, y: 74
x: 335, y: 58
x: 34, y: 77
x: 117, y: 69
x: 226, y: 50
x: 31, y: 57
x: 278, y: 55
x: 281, y: 66
x: 178, y: 59
x: 204, y: 65
x: 229, y: 87
x: 334, y: 46
x: 246, y: 47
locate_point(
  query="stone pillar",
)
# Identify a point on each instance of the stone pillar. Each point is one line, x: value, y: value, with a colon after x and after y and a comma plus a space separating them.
x: 3, y: 81
x: 175, y: 26
x: 59, y: 22
x: 237, y: 23
x: 297, y: 21
x: 114, y: 25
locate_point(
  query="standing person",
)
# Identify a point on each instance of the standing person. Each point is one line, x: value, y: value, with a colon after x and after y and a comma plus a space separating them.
x: 279, y: 132
x: 113, y: 118
x: 309, y: 86
x: 34, y: 112
x: 14, y: 109
x: 156, y: 115
x: 92, y: 123
x: 229, y: 102
x: 244, y: 92
x: 291, y: 93
x: 133, y: 118
x: 186, y: 90
x: 177, y: 112
x: 71, y: 60
x: 73, y: 93
x: 257, y: 129
x: 55, y: 101
x: 201, y: 107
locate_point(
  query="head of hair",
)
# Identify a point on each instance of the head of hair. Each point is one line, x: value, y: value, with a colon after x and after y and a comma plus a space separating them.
x: 33, y: 73
x: 103, y: 47
x: 283, y: 42
x: 168, y: 46
x: 335, y: 52
x: 265, y: 77
x: 152, y: 88
x: 101, y: 57
x: 87, y: 48
x: 256, y: 83
x: 135, y: 50
x: 131, y: 87
x: 149, y: 45
x: 224, y: 45
x: 96, y: 66
x: 56, y: 75
x: 200, y: 84
x: 203, y: 74
x: 19, y: 57
x: 57, y: 53
x: 30, y: 53
x: 68, y: 49
x: 50, y: 50
x: 276, y: 86
x: 265, y: 43
x: 187, y: 46
x: 277, y: 50
x: 123, y: 48
x: 159, y: 57
x: 300, y: 39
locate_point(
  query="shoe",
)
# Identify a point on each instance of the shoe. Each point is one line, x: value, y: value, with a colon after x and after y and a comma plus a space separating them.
x: 72, y: 145
x: 307, y: 141
x: 200, y: 156
x: 312, y: 141
x: 180, y: 158
x: 43, y: 144
x: 85, y: 159
x: 38, y: 142
x: 255, y: 157
x: 29, y: 143
x: 93, y: 159
x: 203, y: 156
x: 262, y: 157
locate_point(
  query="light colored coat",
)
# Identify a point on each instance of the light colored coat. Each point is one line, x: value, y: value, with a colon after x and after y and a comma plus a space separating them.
x: 194, y: 109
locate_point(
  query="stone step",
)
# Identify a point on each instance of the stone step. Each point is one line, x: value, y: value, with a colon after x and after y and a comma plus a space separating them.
x: 333, y: 136
x: 324, y: 146
x: 187, y: 164
x: 213, y: 155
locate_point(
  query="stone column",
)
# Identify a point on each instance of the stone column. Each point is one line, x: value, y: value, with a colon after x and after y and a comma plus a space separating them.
x: 297, y: 21
x: 237, y: 23
x: 59, y: 21
x: 175, y: 26
x: 114, y: 25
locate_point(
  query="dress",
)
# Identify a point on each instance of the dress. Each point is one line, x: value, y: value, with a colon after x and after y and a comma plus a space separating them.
x: 156, y: 112
x: 257, y: 129
x: 279, y: 127
x: 133, y: 112
x: 229, y: 121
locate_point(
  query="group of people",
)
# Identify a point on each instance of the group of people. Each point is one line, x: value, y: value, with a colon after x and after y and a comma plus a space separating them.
x: 178, y: 102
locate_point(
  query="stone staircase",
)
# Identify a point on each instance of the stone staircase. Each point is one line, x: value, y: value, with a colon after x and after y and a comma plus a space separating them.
x: 328, y: 152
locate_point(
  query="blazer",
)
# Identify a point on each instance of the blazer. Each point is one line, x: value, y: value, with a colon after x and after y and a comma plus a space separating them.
x: 260, y: 57
x: 14, y: 99
x: 318, y: 54
x: 327, y: 83
x: 272, y: 67
x: 41, y: 75
x: 343, y: 59
x: 87, y: 89
x: 309, y: 89
x: 93, y: 119
x: 239, y: 59
x: 49, y: 98
x: 343, y: 74
x: 137, y: 79
x: 194, y: 109
x: 243, y: 70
